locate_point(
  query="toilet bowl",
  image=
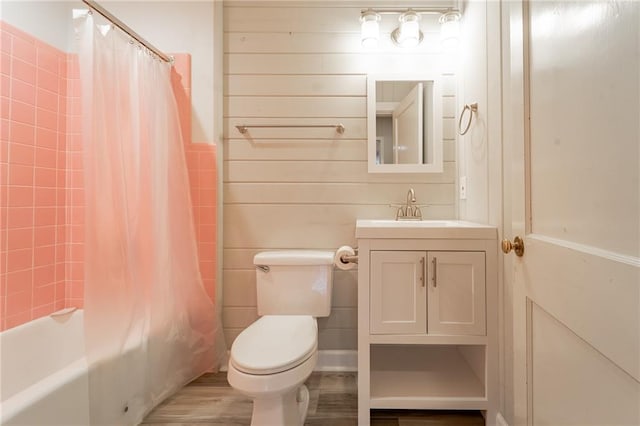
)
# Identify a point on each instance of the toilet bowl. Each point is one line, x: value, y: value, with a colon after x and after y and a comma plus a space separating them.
x: 271, y: 359
x: 270, y: 362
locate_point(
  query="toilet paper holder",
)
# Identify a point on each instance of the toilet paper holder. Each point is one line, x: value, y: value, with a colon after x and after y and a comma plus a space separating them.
x: 348, y: 258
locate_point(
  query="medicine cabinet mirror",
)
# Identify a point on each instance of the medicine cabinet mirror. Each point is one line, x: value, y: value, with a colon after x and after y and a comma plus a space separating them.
x: 404, y: 123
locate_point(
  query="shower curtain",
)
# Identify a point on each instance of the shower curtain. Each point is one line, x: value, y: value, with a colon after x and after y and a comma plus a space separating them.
x: 149, y: 324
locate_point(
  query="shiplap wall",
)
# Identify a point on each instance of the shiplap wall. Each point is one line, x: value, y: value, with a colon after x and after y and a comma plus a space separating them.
x: 302, y: 63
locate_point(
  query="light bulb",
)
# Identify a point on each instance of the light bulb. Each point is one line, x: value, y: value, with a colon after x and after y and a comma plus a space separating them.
x: 370, y: 29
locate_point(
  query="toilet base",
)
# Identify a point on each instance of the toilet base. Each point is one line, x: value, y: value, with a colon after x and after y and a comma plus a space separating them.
x: 285, y: 409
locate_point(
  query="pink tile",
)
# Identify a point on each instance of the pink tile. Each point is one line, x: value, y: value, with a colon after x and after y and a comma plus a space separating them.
x: 44, y: 275
x: 23, y: 70
x: 45, y: 216
x: 45, y: 295
x: 207, y: 178
x: 19, y: 217
x: 21, y: 154
x: 60, y: 211
x: 23, y: 92
x: 77, y: 270
x: 77, y: 215
x: 62, y: 67
x: 5, y: 125
x: 44, y: 236
x: 208, y: 270
x: 208, y: 158
x: 207, y: 251
x: 60, y: 275
x: 45, y: 197
x: 207, y: 215
x: 48, y: 81
x: 18, y: 303
x: 60, y: 291
x: 20, y: 196
x: 76, y: 253
x: 77, y: 234
x: 47, y: 119
x: 45, y: 255
x: 47, y: 100
x: 207, y: 197
x: 20, y: 175
x: 5, y: 64
x: 5, y: 88
x: 207, y: 233
x: 45, y: 177
x: 19, y: 260
x: 48, y: 60
x: 19, y: 281
x: 46, y: 158
x: 23, y: 134
x: 77, y: 291
x: 24, y: 113
x: 24, y: 49
x: 20, y: 238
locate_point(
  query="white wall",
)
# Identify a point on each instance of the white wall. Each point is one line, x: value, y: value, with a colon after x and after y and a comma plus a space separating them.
x: 173, y: 27
x: 50, y: 21
x: 302, y: 63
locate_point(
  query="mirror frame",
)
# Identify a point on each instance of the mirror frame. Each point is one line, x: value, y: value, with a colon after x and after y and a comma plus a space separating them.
x: 436, y: 131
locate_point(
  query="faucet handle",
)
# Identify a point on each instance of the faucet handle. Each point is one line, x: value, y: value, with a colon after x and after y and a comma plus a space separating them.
x: 401, y: 210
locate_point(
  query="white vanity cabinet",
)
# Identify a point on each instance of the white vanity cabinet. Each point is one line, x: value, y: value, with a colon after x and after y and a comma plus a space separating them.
x: 427, y: 316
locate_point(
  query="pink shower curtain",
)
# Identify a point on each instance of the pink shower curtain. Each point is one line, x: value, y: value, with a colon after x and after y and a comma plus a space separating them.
x: 149, y: 324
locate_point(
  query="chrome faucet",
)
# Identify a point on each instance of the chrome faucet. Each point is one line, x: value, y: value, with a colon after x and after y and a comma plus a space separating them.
x: 410, y: 210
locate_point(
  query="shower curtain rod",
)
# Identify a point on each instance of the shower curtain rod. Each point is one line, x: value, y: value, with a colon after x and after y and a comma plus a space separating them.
x: 124, y: 27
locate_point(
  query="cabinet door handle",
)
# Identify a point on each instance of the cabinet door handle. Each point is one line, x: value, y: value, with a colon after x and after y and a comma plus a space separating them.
x: 435, y: 270
x: 423, y: 265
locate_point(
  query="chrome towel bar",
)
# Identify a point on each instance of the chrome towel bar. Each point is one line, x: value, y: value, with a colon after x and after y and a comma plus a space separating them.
x: 244, y: 128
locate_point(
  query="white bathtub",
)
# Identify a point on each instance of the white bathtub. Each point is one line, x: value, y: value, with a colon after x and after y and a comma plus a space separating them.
x: 43, y: 373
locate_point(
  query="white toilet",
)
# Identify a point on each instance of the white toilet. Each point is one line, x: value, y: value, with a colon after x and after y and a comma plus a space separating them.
x: 271, y: 359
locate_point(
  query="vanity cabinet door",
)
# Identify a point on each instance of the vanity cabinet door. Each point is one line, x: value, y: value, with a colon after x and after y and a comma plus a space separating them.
x: 456, y: 293
x: 398, y: 292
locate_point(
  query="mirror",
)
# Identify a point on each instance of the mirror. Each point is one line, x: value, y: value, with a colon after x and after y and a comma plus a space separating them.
x: 404, y: 124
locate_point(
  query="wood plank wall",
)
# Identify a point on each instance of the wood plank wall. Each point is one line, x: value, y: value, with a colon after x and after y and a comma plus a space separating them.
x: 302, y: 63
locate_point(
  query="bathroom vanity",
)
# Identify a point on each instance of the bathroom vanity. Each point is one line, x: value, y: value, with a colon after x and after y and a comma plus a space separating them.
x: 427, y: 316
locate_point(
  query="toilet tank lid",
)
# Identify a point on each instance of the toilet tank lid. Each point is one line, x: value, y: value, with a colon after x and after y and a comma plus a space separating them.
x: 294, y: 257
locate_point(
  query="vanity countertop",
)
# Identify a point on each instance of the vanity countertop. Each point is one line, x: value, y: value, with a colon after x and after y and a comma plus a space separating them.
x: 433, y: 229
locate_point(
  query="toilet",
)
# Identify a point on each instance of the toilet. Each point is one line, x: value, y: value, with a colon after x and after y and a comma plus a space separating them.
x: 271, y: 359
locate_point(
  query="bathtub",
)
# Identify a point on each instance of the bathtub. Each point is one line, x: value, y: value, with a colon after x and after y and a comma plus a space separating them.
x: 43, y: 372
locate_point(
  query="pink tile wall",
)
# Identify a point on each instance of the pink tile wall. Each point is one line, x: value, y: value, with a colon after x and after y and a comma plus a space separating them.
x: 41, y: 182
x: 201, y: 164
x: 74, y: 193
x: 32, y: 188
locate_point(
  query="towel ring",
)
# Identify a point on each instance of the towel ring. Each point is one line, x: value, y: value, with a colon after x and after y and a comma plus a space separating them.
x: 472, y: 108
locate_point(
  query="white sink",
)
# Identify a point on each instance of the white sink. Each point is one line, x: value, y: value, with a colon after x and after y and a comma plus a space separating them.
x: 388, y: 228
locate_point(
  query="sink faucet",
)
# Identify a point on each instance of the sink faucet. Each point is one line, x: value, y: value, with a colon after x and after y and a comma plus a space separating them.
x: 409, y: 211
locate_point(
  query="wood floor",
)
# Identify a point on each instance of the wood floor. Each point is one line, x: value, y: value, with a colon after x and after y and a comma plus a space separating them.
x: 210, y: 400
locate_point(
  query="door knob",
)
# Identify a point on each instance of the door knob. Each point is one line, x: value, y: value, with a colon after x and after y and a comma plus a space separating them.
x: 517, y: 245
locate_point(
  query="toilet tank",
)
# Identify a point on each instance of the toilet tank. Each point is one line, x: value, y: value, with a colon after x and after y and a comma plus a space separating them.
x: 297, y: 282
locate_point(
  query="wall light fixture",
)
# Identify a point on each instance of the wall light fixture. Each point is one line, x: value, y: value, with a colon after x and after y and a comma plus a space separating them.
x: 370, y: 28
x: 408, y: 33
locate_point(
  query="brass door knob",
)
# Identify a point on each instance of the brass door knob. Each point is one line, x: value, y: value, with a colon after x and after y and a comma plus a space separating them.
x: 517, y: 245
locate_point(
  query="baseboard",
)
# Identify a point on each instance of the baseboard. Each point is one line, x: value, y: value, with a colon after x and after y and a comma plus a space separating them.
x: 500, y: 421
x: 337, y: 360
x: 328, y: 360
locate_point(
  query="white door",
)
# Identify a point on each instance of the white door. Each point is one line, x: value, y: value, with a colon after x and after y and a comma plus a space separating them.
x: 456, y: 299
x: 407, y: 128
x: 398, y: 293
x: 572, y: 191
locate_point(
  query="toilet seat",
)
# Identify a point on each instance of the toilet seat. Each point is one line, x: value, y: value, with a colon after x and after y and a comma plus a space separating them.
x: 275, y: 343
